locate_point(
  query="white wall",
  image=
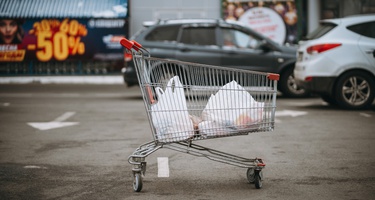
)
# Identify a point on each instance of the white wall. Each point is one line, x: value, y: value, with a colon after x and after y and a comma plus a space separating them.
x: 151, y: 10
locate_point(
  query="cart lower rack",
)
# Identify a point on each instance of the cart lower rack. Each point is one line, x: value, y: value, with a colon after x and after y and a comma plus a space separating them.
x: 186, y: 102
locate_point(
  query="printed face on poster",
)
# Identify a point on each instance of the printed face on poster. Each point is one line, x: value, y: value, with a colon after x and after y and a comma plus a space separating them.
x: 61, y: 39
x: 274, y: 19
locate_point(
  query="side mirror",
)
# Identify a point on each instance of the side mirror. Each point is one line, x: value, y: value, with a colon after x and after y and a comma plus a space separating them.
x: 264, y: 45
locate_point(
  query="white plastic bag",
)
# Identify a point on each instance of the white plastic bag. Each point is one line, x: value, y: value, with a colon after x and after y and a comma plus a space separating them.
x: 212, y: 129
x: 234, y: 108
x: 169, y: 115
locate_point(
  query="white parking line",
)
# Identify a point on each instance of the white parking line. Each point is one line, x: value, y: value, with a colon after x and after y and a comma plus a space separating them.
x: 163, y: 167
x: 364, y: 115
x: 34, y: 167
x: 64, y: 117
x: 57, y: 123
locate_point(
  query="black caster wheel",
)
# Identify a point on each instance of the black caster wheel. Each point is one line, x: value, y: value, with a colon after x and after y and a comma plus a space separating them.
x: 250, y: 175
x: 258, y: 179
x: 137, y: 182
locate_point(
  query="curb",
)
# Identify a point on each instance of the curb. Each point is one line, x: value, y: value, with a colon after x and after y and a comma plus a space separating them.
x: 108, y: 79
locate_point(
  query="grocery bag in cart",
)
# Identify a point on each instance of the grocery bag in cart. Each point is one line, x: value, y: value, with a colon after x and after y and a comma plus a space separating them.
x: 231, y: 110
x: 170, y: 115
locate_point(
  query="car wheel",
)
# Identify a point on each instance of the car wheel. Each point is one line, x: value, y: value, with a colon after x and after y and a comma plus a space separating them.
x: 288, y: 86
x: 355, y: 90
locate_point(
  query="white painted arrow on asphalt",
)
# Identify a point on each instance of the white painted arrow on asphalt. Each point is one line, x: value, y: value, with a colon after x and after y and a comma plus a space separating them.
x: 57, y: 123
x: 292, y: 113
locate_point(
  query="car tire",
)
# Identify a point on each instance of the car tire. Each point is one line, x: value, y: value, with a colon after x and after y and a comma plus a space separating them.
x: 355, y: 90
x: 288, y: 86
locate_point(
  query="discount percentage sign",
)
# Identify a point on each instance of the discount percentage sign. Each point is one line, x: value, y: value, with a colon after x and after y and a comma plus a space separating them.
x: 76, y: 45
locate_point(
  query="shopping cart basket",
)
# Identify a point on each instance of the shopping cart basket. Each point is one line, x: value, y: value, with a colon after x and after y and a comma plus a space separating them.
x: 186, y: 102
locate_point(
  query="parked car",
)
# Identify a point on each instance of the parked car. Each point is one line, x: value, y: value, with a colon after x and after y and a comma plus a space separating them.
x: 220, y: 43
x: 337, y: 61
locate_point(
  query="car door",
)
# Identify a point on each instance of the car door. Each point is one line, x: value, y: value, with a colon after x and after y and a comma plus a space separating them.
x: 198, y: 44
x: 367, y: 44
x: 161, y: 41
x: 242, y: 50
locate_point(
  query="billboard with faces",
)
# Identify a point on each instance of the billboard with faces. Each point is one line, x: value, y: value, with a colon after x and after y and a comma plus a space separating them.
x: 276, y: 19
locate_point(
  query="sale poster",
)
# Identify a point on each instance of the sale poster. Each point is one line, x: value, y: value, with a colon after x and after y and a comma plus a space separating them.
x: 275, y: 19
x: 47, y: 40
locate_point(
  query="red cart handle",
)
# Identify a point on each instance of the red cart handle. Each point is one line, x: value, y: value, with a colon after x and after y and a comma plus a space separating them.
x: 274, y: 77
x: 130, y: 44
x: 136, y: 46
x: 126, y: 43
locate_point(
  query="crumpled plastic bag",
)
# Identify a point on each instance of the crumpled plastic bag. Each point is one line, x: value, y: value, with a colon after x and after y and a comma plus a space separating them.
x: 231, y: 108
x: 170, y: 115
x: 212, y: 129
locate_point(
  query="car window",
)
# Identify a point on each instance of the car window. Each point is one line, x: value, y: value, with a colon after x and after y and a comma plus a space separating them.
x: 136, y: 34
x: 163, y: 33
x: 365, y: 29
x: 320, y: 31
x: 239, y: 39
x: 199, y: 36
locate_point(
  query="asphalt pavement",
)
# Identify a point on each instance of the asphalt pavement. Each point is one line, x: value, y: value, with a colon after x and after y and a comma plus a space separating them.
x: 315, y: 152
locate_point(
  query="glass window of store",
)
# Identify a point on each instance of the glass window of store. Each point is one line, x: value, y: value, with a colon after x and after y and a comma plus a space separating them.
x: 336, y: 9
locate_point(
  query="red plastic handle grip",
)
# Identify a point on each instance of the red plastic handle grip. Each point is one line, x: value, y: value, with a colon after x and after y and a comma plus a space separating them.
x: 274, y: 77
x: 136, y: 46
x: 126, y: 43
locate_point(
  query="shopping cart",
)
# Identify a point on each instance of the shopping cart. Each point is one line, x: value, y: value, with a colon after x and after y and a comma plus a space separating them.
x: 186, y: 102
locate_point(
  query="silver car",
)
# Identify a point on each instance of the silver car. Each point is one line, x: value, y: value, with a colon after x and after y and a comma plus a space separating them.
x: 337, y: 61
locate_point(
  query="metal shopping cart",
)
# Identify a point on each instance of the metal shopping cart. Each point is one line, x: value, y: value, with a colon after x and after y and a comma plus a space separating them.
x: 186, y: 102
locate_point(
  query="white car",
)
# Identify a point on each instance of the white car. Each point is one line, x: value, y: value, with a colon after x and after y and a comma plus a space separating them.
x: 337, y: 61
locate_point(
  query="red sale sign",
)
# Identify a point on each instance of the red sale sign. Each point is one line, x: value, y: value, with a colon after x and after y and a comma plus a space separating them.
x: 57, y: 39
x: 47, y: 40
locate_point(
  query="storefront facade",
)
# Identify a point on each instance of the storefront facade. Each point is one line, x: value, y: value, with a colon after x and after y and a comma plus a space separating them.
x: 315, y: 10
x: 298, y: 16
x: 63, y: 37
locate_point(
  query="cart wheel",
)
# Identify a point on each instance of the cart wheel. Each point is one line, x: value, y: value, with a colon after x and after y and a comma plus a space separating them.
x: 250, y: 175
x: 258, y: 179
x: 137, y: 182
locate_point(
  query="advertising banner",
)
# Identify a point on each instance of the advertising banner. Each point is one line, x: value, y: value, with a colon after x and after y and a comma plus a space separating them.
x: 61, y: 39
x: 276, y: 19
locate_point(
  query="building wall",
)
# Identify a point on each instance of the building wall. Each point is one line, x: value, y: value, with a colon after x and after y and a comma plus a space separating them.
x: 313, y: 16
x: 151, y: 10
x: 328, y: 9
x: 336, y: 9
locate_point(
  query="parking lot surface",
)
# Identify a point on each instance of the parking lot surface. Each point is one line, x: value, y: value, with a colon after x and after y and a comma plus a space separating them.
x: 73, y: 141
